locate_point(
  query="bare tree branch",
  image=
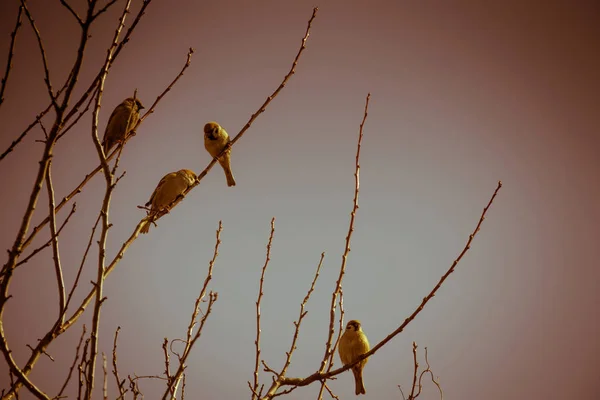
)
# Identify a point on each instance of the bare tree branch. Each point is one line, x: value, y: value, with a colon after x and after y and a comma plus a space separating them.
x: 43, y: 53
x: 68, y: 7
x: 110, y: 185
x: 54, y: 239
x: 64, y: 386
x: 120, y: 383
x: 191, y: 337
x: 329, y: 349
x: 42, y: 247
x: 254, y: 388
x: 13, y: 39
x: 15, y: 142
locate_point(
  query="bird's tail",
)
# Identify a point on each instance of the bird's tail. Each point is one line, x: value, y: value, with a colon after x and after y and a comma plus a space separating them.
x: 358, y: 379
x: 226, y: 164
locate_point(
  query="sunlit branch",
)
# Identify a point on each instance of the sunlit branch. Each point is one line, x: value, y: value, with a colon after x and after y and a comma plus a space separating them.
x: 11, y: 49
x: 255, y: 392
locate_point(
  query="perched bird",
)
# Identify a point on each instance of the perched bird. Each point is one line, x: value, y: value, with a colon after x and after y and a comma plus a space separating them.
x: 121, y: 122
x: 353, y: 344
x: 168, y: 193
x: 215, y: 139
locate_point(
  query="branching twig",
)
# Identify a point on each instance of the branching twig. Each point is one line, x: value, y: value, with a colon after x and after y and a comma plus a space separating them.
x: 105, y: 381
x: 68, y: 7
x: 301, y: 316
x: 192, y: 337
x: 43, y: 53
x: 120, y: 383
x: 329, y: 349
x: 258, y: 300
x: 64, y: 386
x: 15, y: 142
x: 110, y: 185
x: 42, y: 247
x: 54, y: 238
x: 13, y: 39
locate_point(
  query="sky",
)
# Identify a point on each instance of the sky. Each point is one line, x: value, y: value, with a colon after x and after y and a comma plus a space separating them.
x: 463, y: 94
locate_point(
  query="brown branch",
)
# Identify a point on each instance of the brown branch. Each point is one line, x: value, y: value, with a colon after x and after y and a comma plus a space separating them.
x: 43, y: 53
x: 15, y: 142
x: 81, y: 368
x: 258, y: 300
x: 85, y: 253
x: 110, y: 185
x: 428, y: 370
x: 301, y: 316
x: 120, y: 383
x: 333, y: 396
x: 191, y: 337
x: 64, y: 386
x: 68, y: 7
x: 81, y: 114
x: 103, y: 9
x: 54, y: 238
x: 415, y: 372
x: 183, y: 388
x: 105, y: 381
x: 318, y: 376
x: 166, y: 352
x: 331, y: 361
x: 13, y: 39
x: 329, y: 349
x: 42, y: 247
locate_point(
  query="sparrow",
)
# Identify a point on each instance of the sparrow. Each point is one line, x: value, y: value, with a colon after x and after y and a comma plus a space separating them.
x: 215, y: 139
x: 168, y: 193
x: 353, y: 344
x: 121, y: 122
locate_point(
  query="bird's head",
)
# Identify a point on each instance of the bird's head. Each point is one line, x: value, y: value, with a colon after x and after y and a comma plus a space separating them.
x: 188, y: 174
x: 353, y: 325
x: 135, y: 102
x: 211, y: 130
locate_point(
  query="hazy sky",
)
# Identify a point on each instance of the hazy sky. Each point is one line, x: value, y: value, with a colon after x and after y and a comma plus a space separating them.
x: 464, y: 94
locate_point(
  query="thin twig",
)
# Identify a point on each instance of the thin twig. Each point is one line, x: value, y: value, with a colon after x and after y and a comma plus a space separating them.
x: 301, y: 316
x: 110, y: 186
x: 13, y: 39
x: 258, y: 300
x: 64, y: 386
x: 104, y: 381
x: 120, y: 383
x: 191, y: 338
x: 411, y: 396
x: 15, y: 142
x: 68, y: 7
x: 43, y: 53
x: 329, y: 349
x: 54, y: 235
x: 104, y: 9
x: 42, y: 247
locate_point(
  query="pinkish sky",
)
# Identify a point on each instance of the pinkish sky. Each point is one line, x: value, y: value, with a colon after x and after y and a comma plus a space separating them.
x: 463, y: 94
